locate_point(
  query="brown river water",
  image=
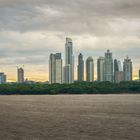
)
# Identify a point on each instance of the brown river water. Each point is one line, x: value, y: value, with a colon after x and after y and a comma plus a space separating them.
x: 70, y: 117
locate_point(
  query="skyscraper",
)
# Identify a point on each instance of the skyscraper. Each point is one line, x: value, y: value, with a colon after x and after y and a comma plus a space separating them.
x: 139, y: 75
x: 120, y: 66
x: 116, y: 67
x: 67, y: 75
x: 108, y: 69
x: 52, y: 69
x: 20, y: 75
x: 55, y: 68
x: 3, y: 78
x: 58, y: 68
x: 69, y: 62
x: 118, y: 73
x: 127, y: 69
x: 119, y: 76
x: 80, y: 68
x: 100, y: 69
x: 89, y: 69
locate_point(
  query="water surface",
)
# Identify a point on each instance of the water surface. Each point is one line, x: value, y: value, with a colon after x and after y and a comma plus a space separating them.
x: 70, y: 117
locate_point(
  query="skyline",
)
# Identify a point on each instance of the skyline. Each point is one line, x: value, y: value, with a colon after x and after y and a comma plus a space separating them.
x: 75, y: 69
x: 31, y: 30
x: 109, y: 68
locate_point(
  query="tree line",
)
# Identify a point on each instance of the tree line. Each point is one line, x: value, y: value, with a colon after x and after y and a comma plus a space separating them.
x: 75, y: 88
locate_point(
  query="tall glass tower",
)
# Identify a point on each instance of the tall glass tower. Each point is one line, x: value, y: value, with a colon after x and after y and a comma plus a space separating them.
x: 55, y: 68
x: 127, y: 69
x: 80, y: 68
x: 89, y: 69
x: 118, y: 73
x: 100, y: 69
x: 69, y: 62
x: 20, y: 75
x: 108, y: 67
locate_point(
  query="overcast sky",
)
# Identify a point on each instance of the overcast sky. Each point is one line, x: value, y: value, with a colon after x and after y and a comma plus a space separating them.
x: 32, y: 29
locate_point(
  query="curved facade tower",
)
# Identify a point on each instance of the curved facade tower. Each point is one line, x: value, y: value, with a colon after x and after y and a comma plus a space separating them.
x: 89, y: 69
x: 80, y: 68
x: 20, y: 75
x: 69, y: 62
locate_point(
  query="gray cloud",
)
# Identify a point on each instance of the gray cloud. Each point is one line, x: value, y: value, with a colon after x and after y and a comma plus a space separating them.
x: 76, y: 17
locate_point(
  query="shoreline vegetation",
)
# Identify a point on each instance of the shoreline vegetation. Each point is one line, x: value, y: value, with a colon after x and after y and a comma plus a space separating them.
x: 132, y: 87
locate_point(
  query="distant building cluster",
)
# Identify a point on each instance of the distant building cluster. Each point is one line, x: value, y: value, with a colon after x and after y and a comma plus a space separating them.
x: 108, y: 69
x: 58, y: 73
x: 112, y: 71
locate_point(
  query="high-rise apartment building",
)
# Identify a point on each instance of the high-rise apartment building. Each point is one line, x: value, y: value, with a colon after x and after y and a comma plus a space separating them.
x: 80, y: 68
x: 89, y: 69
x: 120, y: 66
x: 20, y: 75
x: 69, y: 62
x: 100, y: 69
x: 118, y: 73
x: 119, y: 76
x: 3, y: 78
x: 52, y: 69
x: 127, y: 69
x: 108, y: 67
x: 67, y: 75
x: 139, y: 75
x: 116, y: 67
x: 55, y: 68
